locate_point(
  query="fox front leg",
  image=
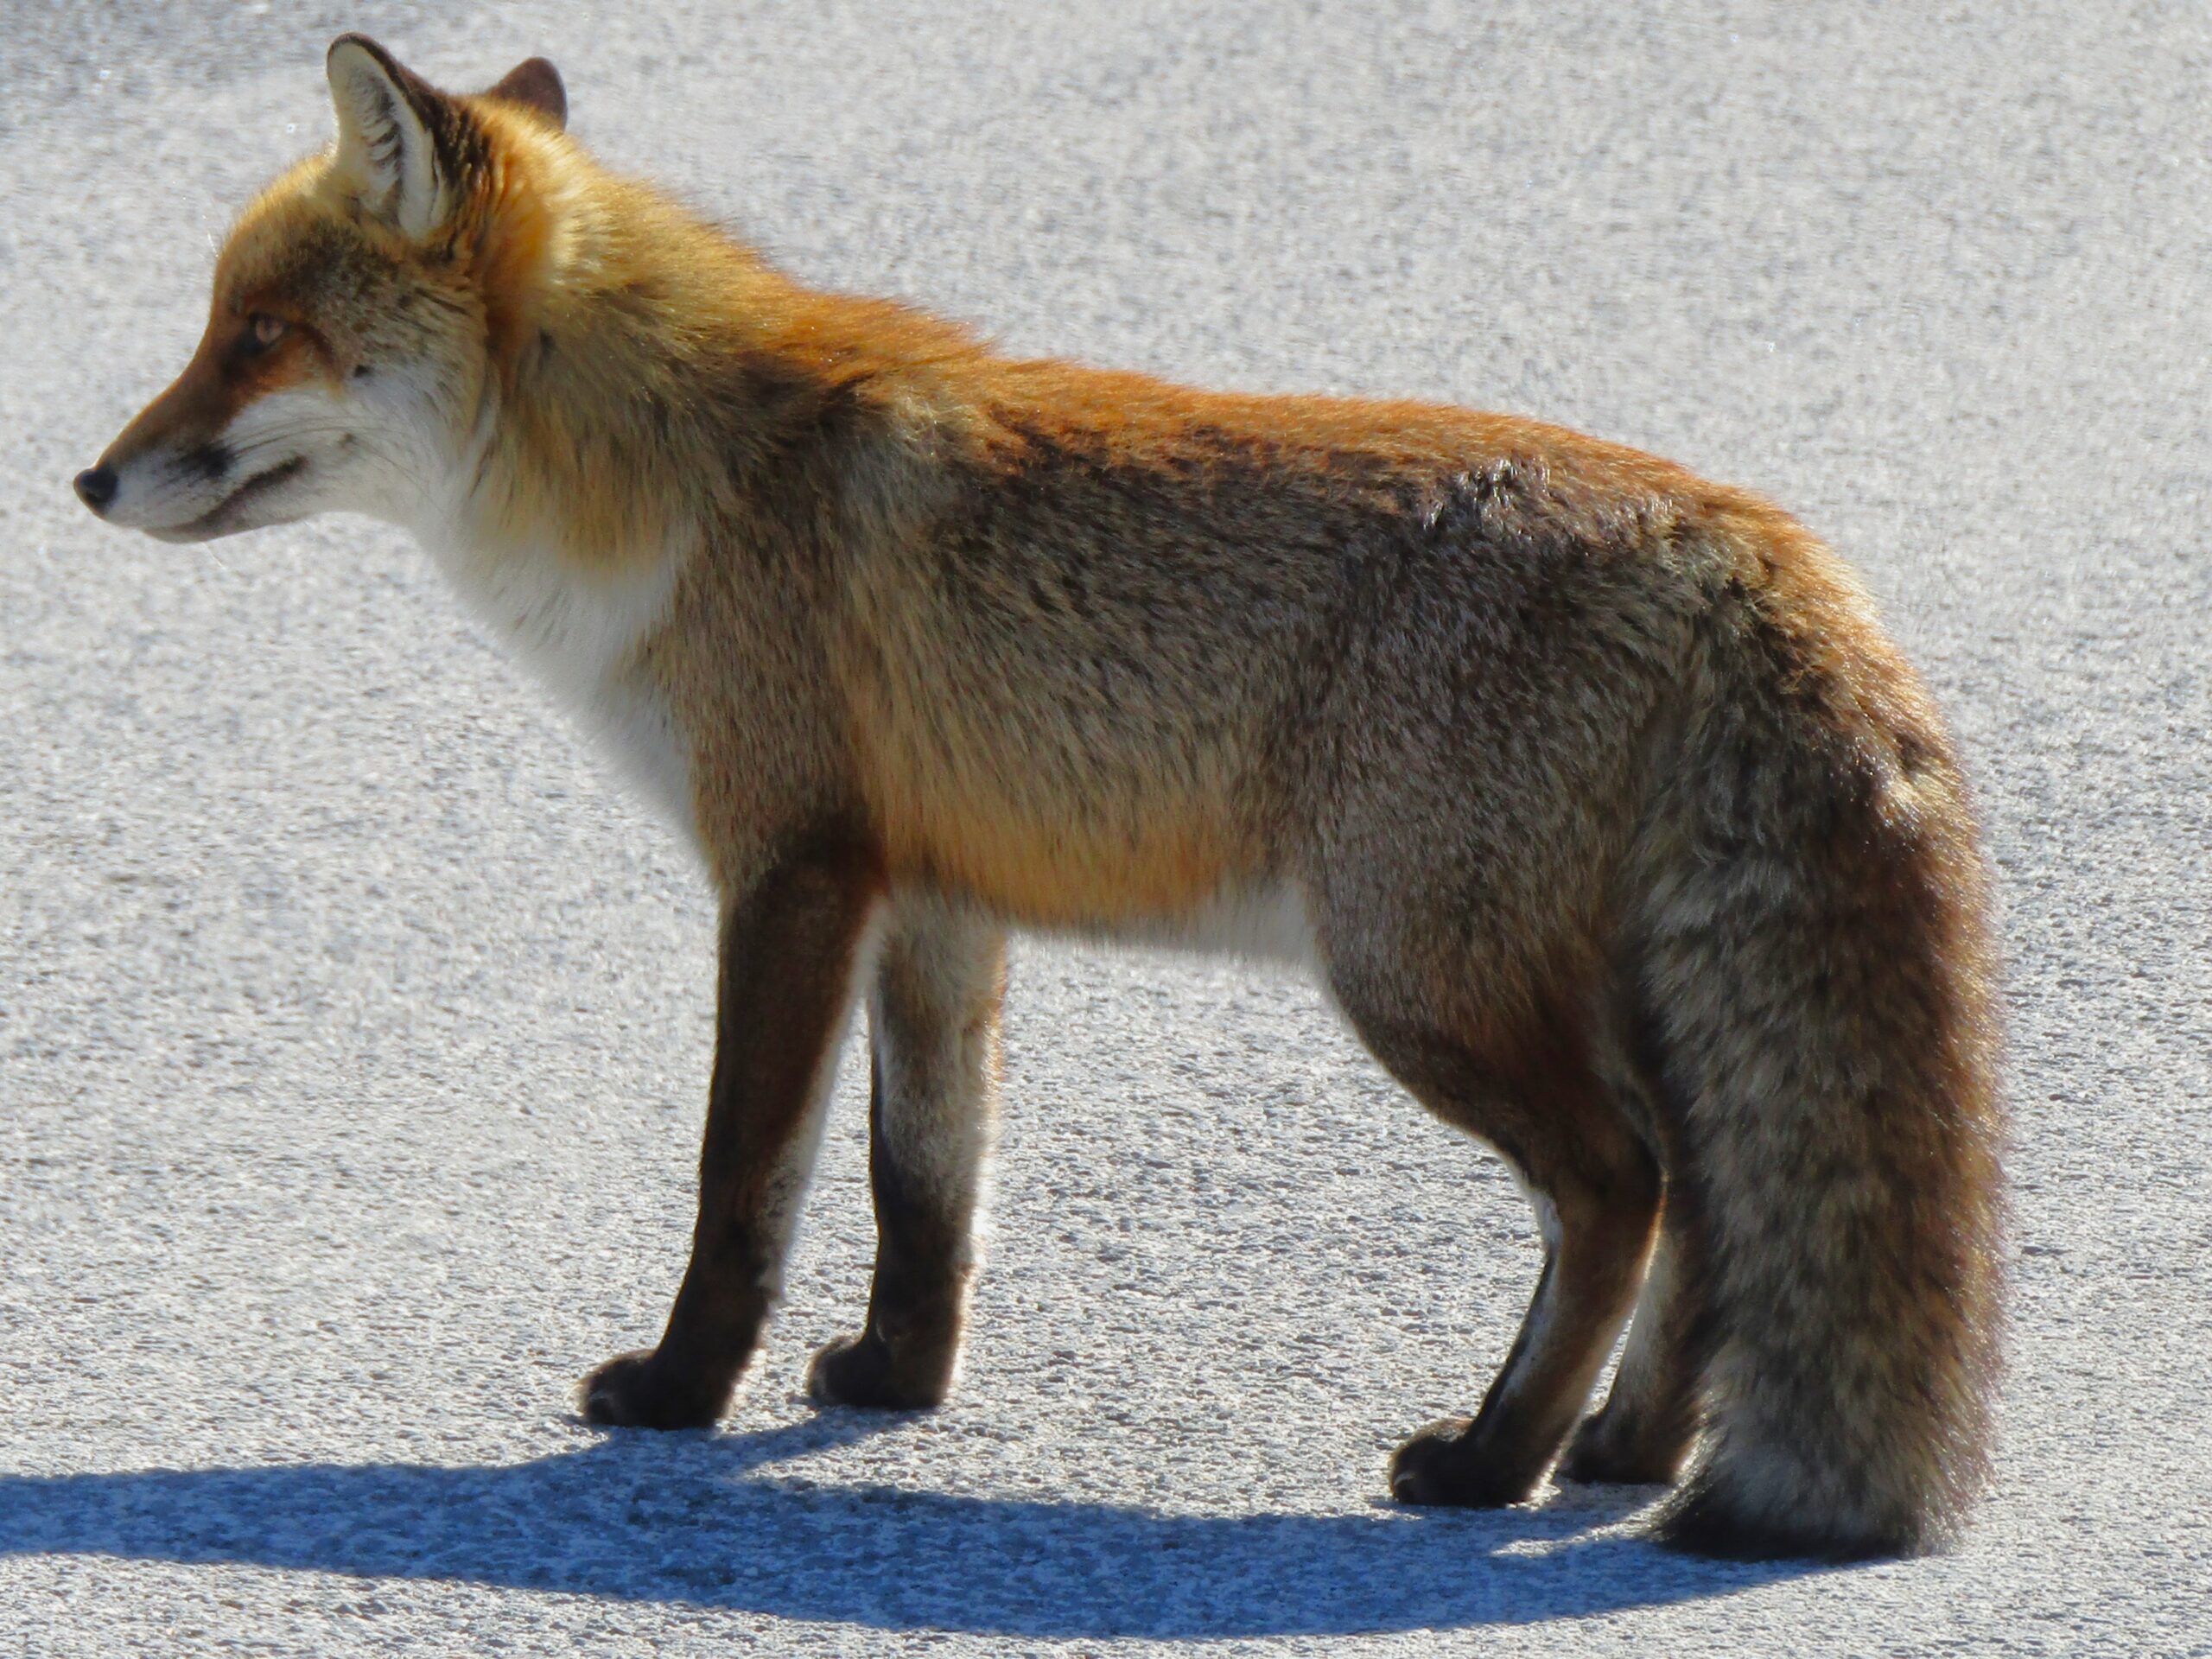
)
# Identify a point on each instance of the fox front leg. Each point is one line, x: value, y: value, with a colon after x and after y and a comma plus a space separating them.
x: 933, y: 1028
x: 789, y: 947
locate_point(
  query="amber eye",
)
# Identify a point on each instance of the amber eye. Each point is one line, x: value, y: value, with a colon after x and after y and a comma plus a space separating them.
x: 261, y: 331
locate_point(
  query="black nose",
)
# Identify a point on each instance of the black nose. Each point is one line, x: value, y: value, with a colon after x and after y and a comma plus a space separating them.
x: 96, y: 487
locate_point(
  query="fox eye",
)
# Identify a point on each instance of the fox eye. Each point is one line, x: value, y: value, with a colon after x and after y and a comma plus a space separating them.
x: 261, y: 331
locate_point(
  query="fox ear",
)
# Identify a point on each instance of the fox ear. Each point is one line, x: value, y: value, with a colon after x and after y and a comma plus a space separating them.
x: 390, y: 124
x: 536, y: 85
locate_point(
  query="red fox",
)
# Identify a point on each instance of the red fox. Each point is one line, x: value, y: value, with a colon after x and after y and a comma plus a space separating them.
x: 1591, y: 792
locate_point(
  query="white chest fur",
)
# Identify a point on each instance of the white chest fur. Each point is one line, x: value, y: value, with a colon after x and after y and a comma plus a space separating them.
x: 579, y: 633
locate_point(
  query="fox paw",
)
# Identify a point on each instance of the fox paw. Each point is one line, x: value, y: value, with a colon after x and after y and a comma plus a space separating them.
x: 863, y: 1371
x: 1603, y: 1452
x: 640, y: 1390
x: 1446, y: 1464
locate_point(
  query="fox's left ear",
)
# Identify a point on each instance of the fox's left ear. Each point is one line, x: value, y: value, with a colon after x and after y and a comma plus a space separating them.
x: 399, y: 138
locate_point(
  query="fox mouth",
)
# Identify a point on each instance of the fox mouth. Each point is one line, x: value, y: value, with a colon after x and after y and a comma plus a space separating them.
x: 220, y: 520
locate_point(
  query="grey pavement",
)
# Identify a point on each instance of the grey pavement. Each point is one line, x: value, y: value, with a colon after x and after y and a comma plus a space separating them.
x: 355, y: 1028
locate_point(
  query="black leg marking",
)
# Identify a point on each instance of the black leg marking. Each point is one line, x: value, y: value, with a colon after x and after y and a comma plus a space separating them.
x: 787, y: 955
x: 933, y: 1019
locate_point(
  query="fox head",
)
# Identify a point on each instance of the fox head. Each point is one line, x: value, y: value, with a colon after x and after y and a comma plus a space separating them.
x: 359, y: 311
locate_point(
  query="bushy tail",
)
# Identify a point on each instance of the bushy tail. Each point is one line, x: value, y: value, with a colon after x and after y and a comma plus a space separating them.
x: 1817, y: 974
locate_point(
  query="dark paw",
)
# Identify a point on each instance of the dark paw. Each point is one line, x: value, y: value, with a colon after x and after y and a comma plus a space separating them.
x: 862, y: 1371
x: 1447, y: 1464
x: 640, y: 1391
x: 1602, y: 1453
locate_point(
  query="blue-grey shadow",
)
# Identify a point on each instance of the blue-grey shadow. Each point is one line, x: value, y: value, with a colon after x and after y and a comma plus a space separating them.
x: 686, y: 1519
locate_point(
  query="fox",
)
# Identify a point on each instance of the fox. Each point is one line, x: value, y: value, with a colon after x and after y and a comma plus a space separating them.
x: 1592, y: 794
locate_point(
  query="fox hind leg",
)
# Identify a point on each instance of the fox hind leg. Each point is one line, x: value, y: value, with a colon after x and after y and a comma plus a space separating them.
x: 933, y: 1022
x: 1537, y: 1098
x: 1643, y: 1433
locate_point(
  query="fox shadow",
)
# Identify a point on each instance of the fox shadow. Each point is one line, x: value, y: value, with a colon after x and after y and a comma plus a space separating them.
x: 688, y: 1519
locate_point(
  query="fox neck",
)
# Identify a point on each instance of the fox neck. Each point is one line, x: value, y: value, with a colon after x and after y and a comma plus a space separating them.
x: 598, y: 365
x: 660, y: 403
x: 568, y: 510
x: 650, y: 383
x: 608, y: 452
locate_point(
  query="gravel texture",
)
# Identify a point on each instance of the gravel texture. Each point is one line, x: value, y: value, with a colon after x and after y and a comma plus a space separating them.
x: 356, y: 1029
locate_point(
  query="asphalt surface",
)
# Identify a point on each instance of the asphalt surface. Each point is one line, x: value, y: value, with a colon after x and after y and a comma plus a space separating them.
x: 355, y: 1029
